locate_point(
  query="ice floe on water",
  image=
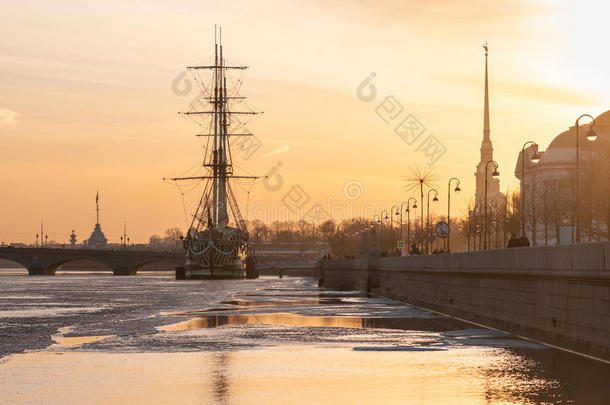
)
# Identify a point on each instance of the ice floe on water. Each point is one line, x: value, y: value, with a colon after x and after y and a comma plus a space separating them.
x: 231, y: 339
x: 46, y: 311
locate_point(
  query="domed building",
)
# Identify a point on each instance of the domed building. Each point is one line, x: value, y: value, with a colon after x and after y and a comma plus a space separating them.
x: 549, y: 186
x: 97, y: 239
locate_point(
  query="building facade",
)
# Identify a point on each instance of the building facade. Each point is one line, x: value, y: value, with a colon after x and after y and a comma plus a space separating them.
x: 549, y: 207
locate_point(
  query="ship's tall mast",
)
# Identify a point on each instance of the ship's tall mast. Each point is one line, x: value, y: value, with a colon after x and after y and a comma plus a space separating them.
x: 215, y: 150
x: 222, y: 152
x: 219, y: 160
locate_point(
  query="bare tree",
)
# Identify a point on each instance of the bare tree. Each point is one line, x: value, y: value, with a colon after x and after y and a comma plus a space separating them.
x: 172, y: 237
x: 155, y: 241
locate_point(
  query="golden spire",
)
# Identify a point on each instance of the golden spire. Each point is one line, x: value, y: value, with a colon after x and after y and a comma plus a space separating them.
x: 486, y: 110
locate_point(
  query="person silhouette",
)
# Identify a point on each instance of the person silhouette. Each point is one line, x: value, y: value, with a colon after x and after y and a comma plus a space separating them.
x: 514, y: 241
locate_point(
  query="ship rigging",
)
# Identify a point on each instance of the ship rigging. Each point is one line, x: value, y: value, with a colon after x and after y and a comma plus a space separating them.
x: 216, y: 243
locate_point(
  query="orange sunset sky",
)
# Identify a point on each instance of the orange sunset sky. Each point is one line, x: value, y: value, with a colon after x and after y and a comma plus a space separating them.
x: 86, y: 98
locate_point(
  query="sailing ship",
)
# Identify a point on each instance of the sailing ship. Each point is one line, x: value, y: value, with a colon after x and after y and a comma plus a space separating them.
x: 216, y: 243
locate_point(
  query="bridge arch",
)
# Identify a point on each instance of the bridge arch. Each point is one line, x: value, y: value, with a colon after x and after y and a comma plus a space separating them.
x: 154, y: 264
x: 45, y: 261
x: 12, y: 264
x: 95, y: 264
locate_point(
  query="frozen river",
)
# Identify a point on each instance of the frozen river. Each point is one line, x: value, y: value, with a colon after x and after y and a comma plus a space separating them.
x: 128, y: 340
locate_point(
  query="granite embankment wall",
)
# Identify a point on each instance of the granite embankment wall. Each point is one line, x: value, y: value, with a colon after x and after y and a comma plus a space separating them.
x: 557, y: 294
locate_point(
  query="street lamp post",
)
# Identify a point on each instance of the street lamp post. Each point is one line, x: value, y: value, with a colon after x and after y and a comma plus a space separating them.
x: 124, y: 238
x: 380, y: 226
x: 392, y: 220
x: 384, y: 215
x: 399, y: 212
x: 493, y: 212
x: 408, y: 211
x: 494, y: 175
x: 491, y: 221
x: 421, y: 210
x: 435, y: 199
x: 591, y: 136
x: 378, y: 221
x: 476, y: 218
x: 535, y: 159
x: 457, y: 190
x: 401, y: 205
x: 469, y: 227
x: 493, y: 205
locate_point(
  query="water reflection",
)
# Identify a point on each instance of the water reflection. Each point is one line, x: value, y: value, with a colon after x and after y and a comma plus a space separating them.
x: 312, y: 301
x: 303, y: 375
x: 291, y: 319
x: 220, y: 379
x: 556, y: 376
x: 257, y: 343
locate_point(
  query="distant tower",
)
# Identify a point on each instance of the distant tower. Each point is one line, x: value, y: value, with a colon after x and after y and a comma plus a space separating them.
x: 97, y: 238
x: 73, y: 239
x: 487, y: 153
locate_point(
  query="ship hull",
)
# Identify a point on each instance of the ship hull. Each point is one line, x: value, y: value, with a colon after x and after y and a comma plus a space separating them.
x: 197, y: 272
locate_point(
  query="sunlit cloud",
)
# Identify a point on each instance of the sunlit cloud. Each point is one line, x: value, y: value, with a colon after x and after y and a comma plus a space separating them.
x: 548, y: 93
x: 536, y: 91
x: 399, y: 11
x: 281, y: 149
x: 8, y: 117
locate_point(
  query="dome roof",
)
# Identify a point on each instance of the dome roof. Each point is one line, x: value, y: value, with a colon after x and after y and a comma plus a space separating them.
x: 567, y: 139
x: 603, y: 120
x: 97, y: 236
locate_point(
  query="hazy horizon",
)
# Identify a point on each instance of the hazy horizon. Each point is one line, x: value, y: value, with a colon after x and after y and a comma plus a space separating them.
x: 88, y: 102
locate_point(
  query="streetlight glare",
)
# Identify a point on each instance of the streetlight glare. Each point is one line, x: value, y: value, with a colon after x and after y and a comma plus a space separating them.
x: 591, y: 136
x: 535, y: 158
x: 495, y: 174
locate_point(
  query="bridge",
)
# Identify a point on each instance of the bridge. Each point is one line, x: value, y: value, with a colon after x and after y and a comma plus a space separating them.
x: 44, y: 261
